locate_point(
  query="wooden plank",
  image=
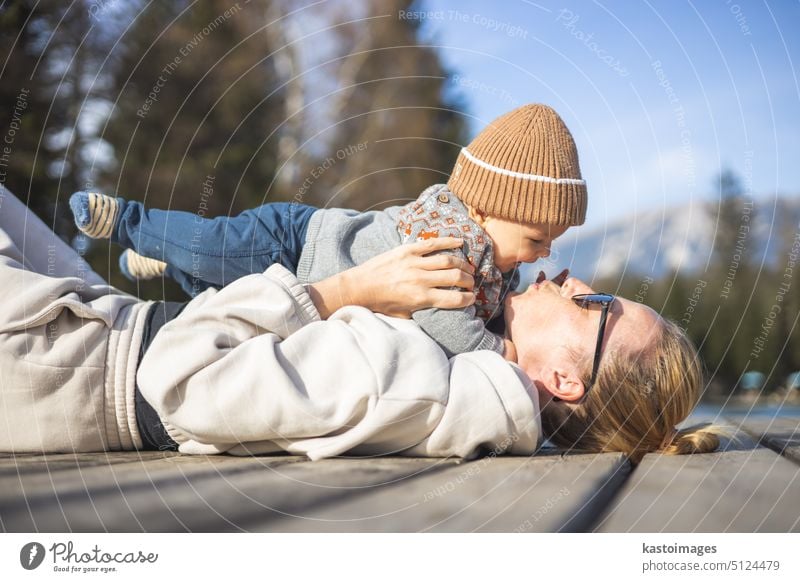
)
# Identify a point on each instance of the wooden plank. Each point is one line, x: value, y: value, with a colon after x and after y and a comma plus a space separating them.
x: 91, y: 472
x: 183, y: 497
x: 781, y: 434
x: 30, y: 463
x: 735, y: 491
x: 551, y: 493
x: 40, y: 494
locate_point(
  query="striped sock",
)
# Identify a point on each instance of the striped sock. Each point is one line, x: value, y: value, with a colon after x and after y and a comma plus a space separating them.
x: 95, y: 213
x: 134, y: 266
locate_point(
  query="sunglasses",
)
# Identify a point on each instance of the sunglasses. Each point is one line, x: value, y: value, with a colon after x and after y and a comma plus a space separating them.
x: 586, y: 301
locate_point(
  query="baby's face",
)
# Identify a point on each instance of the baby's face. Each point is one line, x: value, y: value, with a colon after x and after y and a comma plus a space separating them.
x: 516, y: 242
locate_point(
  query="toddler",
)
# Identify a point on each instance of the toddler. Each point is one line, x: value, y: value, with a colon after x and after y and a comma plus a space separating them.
x: 514, y: 189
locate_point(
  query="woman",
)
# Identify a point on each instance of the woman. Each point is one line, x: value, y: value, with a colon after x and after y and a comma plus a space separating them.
x: 253, y: 369
x: 70, y: 347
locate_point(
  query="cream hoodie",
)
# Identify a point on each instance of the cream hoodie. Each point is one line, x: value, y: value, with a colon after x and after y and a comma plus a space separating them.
x: 251, y: 369
x: 69, y: 345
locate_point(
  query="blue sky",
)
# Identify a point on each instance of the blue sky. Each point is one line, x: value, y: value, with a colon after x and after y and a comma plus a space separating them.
x: 658, y: 95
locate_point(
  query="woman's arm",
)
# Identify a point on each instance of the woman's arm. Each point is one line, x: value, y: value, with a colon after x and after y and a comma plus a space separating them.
x: 252, y: 363
x: 400, y: 281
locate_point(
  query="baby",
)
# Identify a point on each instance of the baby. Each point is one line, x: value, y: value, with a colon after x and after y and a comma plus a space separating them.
x: 513, y: 190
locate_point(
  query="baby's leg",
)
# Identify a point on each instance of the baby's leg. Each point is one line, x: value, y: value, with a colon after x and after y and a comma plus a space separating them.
x: 216, y: 251
x: 106, y: 217
x: 225, y: 249
x: 136, y: 267
x: 129, y: 224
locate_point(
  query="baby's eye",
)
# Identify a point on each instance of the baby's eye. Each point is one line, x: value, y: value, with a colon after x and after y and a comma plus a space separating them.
x: 535, y: 241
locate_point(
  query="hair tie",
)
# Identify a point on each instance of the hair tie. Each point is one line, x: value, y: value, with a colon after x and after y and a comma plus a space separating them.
x: 668, y: 438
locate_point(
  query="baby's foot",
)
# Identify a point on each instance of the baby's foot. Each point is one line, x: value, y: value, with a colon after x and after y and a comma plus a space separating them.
x: 95, y: 213
x: 134, y: 266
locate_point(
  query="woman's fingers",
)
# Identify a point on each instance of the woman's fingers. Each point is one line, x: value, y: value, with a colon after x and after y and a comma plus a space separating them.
x: 445, y: 261
x: 447, y: 278
x: 424, y: 247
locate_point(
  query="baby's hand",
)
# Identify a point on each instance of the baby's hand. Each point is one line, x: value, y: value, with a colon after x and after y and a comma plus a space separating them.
x: 510, y: 351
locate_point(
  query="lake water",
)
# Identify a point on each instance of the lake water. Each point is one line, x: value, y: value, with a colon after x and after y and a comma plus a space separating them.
x: 757, y: 410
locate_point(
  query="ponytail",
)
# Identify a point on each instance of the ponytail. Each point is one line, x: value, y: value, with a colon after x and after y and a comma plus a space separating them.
x: 702, y: 438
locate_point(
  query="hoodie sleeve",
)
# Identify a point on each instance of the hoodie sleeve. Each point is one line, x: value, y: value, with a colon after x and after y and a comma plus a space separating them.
x: 252, y: 363
x: 493, y: 406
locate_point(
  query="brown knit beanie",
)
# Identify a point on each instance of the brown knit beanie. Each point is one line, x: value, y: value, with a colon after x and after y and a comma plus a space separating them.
x: 523, y: 167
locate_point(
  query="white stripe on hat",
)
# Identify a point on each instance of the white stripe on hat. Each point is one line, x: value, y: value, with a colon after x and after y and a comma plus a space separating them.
x: 520, y: 175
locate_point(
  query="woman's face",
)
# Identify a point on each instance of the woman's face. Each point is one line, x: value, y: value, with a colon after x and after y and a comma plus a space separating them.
x: 546, y: 325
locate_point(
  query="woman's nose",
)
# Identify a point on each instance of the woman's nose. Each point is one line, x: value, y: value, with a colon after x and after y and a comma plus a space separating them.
x: 574, y: 286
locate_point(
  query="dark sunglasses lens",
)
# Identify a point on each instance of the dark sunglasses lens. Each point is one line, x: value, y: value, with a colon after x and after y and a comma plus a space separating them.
x: 593, y: 299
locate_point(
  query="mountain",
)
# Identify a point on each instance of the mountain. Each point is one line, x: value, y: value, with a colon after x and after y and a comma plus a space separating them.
x: 655, y: 242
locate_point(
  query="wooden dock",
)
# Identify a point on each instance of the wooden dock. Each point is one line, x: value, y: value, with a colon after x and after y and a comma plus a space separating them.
x: 750, y: 486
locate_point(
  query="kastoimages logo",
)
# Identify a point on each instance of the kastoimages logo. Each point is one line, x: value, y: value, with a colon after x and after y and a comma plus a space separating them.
x: 31, y: 555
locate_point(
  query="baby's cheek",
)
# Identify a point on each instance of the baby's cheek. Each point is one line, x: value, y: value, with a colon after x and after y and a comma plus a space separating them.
x: 527, y: 256
x: 501, y: 254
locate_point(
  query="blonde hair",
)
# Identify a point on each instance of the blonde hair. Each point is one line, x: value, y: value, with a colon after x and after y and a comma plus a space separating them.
x: 636, y: 401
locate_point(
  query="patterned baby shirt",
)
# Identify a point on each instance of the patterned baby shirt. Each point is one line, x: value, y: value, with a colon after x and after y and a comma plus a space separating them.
x: 439, y: 213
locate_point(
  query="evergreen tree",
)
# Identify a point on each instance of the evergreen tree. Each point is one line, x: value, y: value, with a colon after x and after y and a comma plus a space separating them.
x: 44, y: 85
x: 727, y: 213
x: 192, y: 127
x: 392, y: 128
x: 192, y: 81
x: 731, y: 276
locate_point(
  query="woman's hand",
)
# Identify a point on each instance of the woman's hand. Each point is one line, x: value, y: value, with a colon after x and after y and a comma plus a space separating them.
x: 400, y: 281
